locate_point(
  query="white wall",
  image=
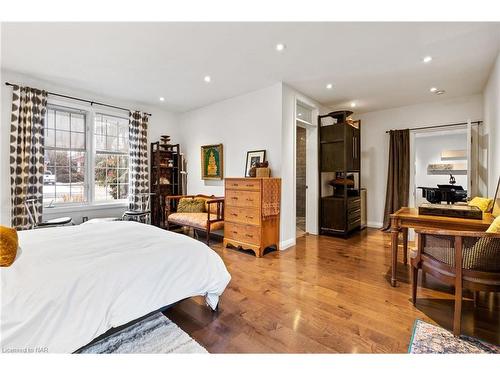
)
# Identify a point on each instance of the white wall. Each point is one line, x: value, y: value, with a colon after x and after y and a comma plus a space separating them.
x: 428, y: 148
x: 244, y: 123
x: 492, y: 121
x: 375, y: 141
x: 161, y: 122
x: 262, y: 119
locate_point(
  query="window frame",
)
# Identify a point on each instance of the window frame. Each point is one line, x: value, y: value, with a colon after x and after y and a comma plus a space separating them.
x: 90, y: 114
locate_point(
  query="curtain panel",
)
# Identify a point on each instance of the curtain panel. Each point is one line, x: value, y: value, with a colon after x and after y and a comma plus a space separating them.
x: 138, y: 151
x: 398, y: 174
x: 29, y: 106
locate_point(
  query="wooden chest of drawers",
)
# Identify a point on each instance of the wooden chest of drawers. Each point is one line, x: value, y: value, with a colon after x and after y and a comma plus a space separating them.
x: 251, y: 213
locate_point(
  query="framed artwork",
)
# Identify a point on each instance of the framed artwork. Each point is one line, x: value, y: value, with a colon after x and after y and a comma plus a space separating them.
x: 496, y: 201
x: 212, y: 162
x: 254, y: 157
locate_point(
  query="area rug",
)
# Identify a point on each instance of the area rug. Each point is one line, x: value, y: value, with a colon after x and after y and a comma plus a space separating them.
x: 430, y: 339
x: 154, y: 334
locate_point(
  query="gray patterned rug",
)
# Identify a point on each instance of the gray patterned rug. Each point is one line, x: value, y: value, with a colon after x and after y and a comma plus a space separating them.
x: 429, y: 339
x: 154, y: 334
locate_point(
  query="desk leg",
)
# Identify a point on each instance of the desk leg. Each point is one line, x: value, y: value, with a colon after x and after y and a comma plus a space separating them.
x: 405, y: 245
x: 394, y: 249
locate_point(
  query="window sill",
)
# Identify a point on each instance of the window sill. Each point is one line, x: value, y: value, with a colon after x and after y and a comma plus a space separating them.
x: 86, y: 207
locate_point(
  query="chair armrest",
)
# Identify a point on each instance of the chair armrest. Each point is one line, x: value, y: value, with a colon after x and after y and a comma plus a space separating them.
x: 455, y: 233
x: 220, y: 209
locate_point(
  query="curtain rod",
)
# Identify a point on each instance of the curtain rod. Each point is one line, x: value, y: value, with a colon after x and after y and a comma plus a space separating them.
x: 443, y: 126
x: 83, y: 100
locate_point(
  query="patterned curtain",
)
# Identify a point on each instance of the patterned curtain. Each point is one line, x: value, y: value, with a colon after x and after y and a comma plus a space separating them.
x: 26, y: 152
x: 138, y: 151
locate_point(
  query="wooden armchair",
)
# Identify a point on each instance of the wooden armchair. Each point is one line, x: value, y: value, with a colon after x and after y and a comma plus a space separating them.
x: 212, y: 219
x: 468, y: 260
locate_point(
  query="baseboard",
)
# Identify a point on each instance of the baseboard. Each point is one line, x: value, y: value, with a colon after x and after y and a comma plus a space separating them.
x: 287, y: 243
x: 374, y: 224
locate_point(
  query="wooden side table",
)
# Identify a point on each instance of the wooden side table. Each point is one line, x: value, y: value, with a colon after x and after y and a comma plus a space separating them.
x: 408, y: 217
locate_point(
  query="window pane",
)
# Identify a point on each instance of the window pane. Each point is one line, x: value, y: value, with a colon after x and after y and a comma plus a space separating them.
x: 112, y: 192
x: 62, y: 120
x: 111, y: 161
x: 123, y: 175
x: 77, y: 141
x: 51, y: 119
x: 62, y: 139
x: 77, y: 167
x: 112, y: 128
x: 123, y: 161
x: 50, y: 138
x: 123, y: 191
x: 62, y: 158
x: 111, y: 143
x: 77, y: 122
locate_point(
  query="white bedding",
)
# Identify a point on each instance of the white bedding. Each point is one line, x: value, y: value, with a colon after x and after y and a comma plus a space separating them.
x: 71, y: 284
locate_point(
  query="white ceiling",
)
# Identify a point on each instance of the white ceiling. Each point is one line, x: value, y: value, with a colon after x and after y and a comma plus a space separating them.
x: 376, y: 64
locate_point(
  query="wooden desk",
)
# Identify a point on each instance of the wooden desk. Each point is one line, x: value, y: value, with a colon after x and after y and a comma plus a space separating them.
x: 407, y: 217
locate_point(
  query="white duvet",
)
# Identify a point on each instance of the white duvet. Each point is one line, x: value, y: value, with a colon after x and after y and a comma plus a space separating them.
x: 69, y: 285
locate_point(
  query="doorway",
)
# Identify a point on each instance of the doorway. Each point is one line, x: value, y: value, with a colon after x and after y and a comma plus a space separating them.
x: 300, y: 179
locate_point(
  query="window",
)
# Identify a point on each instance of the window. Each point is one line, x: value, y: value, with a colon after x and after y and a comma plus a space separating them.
x: 82, y: 147
x: 65, y: 156
x: 111, y: 158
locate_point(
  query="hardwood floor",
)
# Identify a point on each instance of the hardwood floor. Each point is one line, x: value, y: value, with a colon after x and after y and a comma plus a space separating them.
x: 325, y: 295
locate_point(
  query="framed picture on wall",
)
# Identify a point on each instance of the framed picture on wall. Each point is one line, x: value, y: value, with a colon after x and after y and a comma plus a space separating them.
x: 254, y: 157
x: 212, y: 162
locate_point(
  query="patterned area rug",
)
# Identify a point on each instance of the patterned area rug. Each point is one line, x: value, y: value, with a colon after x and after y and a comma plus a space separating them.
x: 430, y: 339
x: 154, y: 334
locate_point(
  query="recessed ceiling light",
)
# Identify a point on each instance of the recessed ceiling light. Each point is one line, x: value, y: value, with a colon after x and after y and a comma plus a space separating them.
x: 353, y: 105
x: 329, y: 86
x: 280, y: 47
x: 162, y: 99
x: 427, y: 59
x: 207, y: 79
x: 433, y: 89
x: 300, y: 114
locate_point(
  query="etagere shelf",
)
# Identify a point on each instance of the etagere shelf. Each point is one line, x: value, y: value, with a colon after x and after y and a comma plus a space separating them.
x: 339, y: 173
x: 165, y: 178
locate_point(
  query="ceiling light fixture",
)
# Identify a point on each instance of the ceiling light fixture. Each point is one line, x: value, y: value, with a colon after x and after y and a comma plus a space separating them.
x: 353, y: 105
x: 427, y: 59
x: 440, y: 92
x: 207, y: 79
x: 329, y: 86
x: 162, y: 99
x: 433, y: 89
x: 280, y: 47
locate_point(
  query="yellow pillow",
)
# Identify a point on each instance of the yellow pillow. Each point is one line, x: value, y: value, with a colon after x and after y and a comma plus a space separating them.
x: 482, y: 203
x: 8, y: 246
x: 495, y: 226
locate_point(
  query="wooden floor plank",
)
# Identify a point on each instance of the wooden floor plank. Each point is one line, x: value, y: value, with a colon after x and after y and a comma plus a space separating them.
x: 326, y: 295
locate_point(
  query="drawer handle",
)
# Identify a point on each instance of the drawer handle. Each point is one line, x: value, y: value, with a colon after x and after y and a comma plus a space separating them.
x: 250, y: 199
x: 234, y: 198
x: 249, y: 217
x: 249, y: 185
x: 236, y: 185
x: 234, y: 214
x: 249, y: 235
x: 234, y: 232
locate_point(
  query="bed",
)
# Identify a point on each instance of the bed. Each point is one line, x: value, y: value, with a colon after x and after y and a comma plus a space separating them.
x: 69, y: 285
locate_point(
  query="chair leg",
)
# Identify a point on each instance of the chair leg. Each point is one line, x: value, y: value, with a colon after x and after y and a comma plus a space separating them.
x: 457, y: 317
x: 414, y: 284
x: 208, y: 235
